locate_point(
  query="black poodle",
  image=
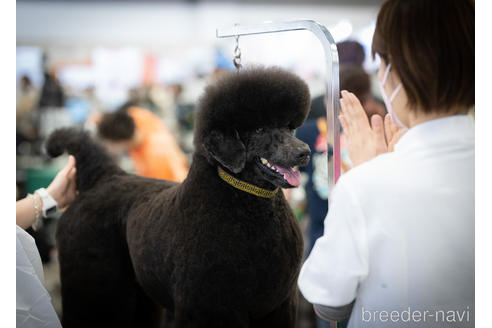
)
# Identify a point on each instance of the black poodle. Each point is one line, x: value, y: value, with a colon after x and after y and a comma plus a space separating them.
x: 221, y: 249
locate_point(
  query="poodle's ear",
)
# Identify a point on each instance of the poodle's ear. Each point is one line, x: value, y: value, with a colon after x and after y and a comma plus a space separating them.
x: 227, y: 148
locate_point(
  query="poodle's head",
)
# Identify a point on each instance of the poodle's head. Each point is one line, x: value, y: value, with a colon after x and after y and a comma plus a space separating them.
x: 246, y: 120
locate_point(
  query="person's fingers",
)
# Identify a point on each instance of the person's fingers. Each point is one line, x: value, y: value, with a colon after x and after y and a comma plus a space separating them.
x: 350, y: 102
x: 342, y: 122
x: 378, y: 130
x: 346, y: 110
x: 346, y: 102
x: 394, y: 127
x: 358, y: 114
x: 72, y: 190
x: 72, y: 169
x: 70, y: 193
x: 68, y: 166
x: 71, y: 162
x: 71, y: 174
x: 72, y: 182
x: 395, y: 139
x: 387, y: 127
x: 356, y: 106
x: 377, y: 125
x: 355, y: 101
x: 401, y: 132
x: 343, y: 107
x: 387, y: 122
x: 391, y: 145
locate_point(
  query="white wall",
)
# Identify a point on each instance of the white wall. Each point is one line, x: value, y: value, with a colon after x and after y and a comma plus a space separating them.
x: 156, y: 24
x: 183, y: 35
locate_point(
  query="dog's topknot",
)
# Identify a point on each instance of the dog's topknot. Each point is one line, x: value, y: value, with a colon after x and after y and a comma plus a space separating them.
x: 255, y: 97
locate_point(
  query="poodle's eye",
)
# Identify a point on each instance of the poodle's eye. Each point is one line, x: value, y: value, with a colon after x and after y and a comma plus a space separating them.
x: 259, y: 130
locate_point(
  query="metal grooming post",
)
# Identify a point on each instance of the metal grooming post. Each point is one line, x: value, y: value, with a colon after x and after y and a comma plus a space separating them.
x: 331, y: 79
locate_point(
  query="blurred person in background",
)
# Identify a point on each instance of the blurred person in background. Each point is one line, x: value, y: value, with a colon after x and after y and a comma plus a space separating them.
x: 51, y: 108
x: 355, y: 79
x: 27, y: 99
x: 149, y: 143
x: 399, y: 235
x: 140, y: 97
x: 350, y: 52
x: 52, y: 94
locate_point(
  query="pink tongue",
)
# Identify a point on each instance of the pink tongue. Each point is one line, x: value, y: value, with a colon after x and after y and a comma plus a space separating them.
x: 293, y: 177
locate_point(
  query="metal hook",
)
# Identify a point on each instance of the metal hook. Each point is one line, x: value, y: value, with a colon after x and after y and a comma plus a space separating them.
x: 237, y: 55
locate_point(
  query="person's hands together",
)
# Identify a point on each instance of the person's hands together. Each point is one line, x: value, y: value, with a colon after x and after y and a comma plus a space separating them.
x: 63, y: 188
x: 365, y: 141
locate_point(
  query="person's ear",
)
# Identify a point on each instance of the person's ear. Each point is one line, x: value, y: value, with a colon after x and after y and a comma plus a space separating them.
x: 227, y: 148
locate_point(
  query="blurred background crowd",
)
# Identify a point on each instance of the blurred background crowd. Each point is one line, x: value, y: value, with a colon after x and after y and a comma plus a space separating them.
x: 142, y: 65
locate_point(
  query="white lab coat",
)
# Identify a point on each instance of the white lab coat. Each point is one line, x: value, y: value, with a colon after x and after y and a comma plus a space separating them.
x: 33, y: 303
x: 399, y: 234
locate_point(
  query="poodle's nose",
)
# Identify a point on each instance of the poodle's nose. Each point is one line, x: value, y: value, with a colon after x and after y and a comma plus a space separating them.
x: 302, y: 154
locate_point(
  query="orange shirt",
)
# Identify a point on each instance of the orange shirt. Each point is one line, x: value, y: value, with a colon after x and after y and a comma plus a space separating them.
x: 158, y: 155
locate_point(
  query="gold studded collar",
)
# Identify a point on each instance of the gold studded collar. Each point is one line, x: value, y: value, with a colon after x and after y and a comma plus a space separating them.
x: 244, y: 186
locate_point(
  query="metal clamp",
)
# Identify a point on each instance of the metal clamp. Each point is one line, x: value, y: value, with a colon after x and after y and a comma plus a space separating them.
x: 237, y: 55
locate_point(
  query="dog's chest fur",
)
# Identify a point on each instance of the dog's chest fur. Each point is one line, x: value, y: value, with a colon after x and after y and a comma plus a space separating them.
x: 229, y: 248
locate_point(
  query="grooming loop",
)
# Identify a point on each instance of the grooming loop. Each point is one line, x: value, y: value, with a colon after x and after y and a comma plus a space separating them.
x: 331, y: 79
x: 237, y: 55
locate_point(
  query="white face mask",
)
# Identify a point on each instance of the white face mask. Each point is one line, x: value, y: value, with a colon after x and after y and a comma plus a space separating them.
x: 387, y: 101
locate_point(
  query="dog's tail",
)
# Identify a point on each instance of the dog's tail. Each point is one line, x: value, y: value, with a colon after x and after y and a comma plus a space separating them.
x: 92, y: 160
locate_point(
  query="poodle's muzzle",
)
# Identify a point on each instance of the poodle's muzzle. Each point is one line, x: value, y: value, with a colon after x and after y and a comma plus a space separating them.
x: 279, y: 154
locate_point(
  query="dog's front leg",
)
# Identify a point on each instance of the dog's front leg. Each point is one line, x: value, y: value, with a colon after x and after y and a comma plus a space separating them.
x: 284, y: 316
x: 227, y: 318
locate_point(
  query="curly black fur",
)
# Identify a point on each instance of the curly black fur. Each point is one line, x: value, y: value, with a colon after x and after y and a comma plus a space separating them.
x: 253, y: 98
x: 212, y: 255
x: 93, y: 161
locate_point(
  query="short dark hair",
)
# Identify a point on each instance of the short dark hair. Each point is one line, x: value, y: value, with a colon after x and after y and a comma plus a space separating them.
x: 431, y: 46
x: 354, y: 79
x: 116, y: 126
x: 350, y: 53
